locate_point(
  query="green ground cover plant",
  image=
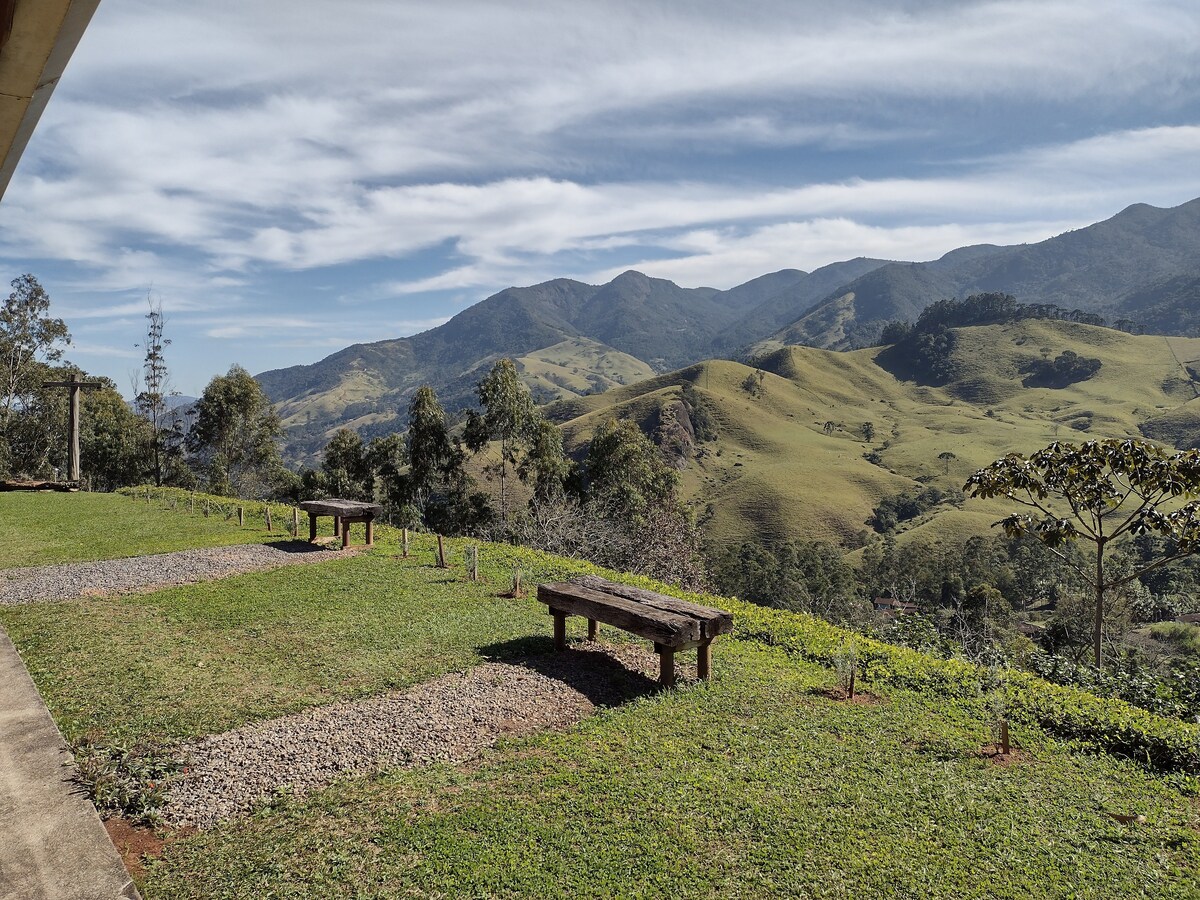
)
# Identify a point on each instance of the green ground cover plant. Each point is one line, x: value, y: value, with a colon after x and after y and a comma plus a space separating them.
x: 759, y: 783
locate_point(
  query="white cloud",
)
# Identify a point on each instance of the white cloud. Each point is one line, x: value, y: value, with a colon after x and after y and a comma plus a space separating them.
x: 211, y: 151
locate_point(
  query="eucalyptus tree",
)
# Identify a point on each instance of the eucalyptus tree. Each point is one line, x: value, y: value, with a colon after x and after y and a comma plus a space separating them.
x: 29, y: 340
x: 509, y: 417
x: 236, y: 433
x: 1100, y: 492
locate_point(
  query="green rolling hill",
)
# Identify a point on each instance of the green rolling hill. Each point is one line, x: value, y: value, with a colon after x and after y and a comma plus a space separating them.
x: 777, y: 471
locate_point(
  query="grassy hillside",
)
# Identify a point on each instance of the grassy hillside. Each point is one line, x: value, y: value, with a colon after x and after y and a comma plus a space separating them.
x: 775, y: 471
x: 578, y: 366
x: 761, y: 782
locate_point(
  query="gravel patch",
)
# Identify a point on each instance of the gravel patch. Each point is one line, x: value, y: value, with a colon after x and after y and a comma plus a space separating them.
x: 136, y: 574
x: 447, y: 720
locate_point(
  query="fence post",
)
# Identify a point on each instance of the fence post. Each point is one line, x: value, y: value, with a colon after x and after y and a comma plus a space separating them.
x: 295, y: 522
x: 474, y: 557
x: 241, y: 517
x: 404, y: 538
x: 441, y: 554
x: 268, y: 517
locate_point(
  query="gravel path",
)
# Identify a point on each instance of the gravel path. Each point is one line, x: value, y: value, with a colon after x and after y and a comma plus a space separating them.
x: 142, y: 573
x: 450, y: 719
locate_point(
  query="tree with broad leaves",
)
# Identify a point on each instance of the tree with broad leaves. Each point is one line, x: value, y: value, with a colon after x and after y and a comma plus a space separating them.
x: 1101, y: 492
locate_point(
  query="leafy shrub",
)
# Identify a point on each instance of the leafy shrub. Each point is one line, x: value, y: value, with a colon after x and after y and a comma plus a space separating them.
x: 125, y: 780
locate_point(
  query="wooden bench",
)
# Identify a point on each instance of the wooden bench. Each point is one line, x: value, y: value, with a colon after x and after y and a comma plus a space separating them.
x: 672, y: 624
x: 345, y: 513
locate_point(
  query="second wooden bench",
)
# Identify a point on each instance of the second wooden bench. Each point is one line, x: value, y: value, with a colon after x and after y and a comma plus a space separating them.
x: 672, y: 624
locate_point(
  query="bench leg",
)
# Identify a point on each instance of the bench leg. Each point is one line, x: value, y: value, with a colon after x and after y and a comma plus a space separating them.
x: 337, y: 525
x: 666, y: 665
x: 593, y: 629
x: 370, y: 534
x: 312, y: 527
x: 704, y: 660
x: 560, y: 629
x: 345, y: 533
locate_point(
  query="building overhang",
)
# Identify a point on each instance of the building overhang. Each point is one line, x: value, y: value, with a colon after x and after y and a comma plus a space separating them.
x: 37, y: 38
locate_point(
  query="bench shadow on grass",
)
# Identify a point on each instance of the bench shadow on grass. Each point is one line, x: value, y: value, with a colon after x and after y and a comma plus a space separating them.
x: 290, y: 545
x: 588, y: 669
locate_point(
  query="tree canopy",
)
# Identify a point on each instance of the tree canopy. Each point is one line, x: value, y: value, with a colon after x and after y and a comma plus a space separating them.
x: 235, y: 433
x: 1100, y: 492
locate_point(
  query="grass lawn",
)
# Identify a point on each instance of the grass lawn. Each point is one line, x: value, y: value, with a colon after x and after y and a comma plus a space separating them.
x: 755, y: 784
x: 203, y: 658
x: 45, y: 528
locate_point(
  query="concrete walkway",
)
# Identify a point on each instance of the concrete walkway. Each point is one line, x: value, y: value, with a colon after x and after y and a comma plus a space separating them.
x: 52, y: 843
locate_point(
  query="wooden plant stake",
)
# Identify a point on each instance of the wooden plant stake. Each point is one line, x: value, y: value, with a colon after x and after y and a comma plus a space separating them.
x: 191, y: 503
x: 851, y: 684
x: 441, y: 554
x: 268, y: 517
x: 474, y: 563
x: 404, y: 541
x: 295, y: 522
x: 147, y: 496
x: 1005, y: 745
x: 517, y: 591
x: 241, y: 517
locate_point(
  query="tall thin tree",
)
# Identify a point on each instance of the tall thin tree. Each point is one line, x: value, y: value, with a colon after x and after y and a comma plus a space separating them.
x: 154, y: 388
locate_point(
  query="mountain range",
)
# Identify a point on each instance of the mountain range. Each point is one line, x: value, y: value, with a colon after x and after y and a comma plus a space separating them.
x: 1141, y: 267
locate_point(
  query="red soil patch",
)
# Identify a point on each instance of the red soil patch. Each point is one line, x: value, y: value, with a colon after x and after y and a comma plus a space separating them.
x: 135, y: 843
x: 860, y: 698
x: 996, y: 755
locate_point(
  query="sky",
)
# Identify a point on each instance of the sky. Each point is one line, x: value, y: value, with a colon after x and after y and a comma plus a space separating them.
x: 289, y: 178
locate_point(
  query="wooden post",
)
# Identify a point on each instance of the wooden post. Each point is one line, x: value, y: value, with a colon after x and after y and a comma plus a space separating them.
x: 404, y: 541
x: 295, y: 522
x: 666, y: 665
x: 1005, y: 746
x: 312, y: 527
x: 560, y: 629
x: 206, y: 509
x: 345, y: 532
x: 474, y: 563
x: 74, y: 385
x: 241, y: 517
x: 851, y: 684
x: 441, y: 554
x: 370, y: 531
x: 268, y: 517
x: 704, y: 661
x: 517, y: 591
x: 191, y: 503
x: 147, y: 496
x: 593, y: 629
